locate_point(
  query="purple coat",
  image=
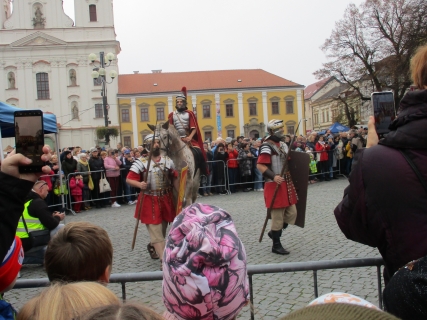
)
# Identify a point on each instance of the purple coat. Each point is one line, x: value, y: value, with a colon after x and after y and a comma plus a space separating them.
x: 385, y: 205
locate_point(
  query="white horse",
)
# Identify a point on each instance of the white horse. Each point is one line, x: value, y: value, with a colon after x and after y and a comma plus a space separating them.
x: 181, y: 155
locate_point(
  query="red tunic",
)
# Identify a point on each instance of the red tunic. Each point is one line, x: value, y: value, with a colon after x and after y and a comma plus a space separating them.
x: 154, y: 209
x: 286, y: 194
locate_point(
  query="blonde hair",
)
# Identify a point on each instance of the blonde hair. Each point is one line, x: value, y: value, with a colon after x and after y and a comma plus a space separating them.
x: 67, y: 301
x: 103, y: 153
x: 419, y: 67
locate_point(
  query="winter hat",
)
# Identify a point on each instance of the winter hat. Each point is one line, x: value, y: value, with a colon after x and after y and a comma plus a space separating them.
x: 11, y: 264
x: 405, y: 295
x: 338, y: 311
x: 93, y: 149
x: 341, y: 297
x: 204, y: 266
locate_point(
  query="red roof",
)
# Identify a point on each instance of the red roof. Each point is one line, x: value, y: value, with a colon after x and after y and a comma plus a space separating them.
x: 314, y: 87
x: 199, y: 81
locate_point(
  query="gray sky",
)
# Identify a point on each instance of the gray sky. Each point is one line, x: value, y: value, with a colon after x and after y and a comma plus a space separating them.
x: 280, y: 36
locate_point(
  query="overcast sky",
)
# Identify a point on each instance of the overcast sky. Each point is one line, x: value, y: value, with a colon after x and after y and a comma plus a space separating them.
x: 280, y: 36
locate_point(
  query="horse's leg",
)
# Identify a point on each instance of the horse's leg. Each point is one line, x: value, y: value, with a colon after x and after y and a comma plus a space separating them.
x: 196, y: 185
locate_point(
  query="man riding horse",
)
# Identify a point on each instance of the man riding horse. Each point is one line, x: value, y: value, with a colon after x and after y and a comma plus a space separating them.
x: 185, y: 122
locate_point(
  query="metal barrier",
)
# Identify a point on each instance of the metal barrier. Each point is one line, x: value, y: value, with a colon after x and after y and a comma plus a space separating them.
x: 314, y: 266
x: 120, y: 186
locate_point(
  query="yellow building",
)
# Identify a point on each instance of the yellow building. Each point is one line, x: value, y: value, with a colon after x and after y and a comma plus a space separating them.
x: 227, y: 103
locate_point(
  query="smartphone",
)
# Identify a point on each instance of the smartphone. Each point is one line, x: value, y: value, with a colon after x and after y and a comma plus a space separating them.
x: 29, y: 138
x: 383, y: 110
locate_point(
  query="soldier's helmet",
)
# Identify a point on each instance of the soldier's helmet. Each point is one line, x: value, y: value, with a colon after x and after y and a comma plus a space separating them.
x: 148, y: 138
x: 274, y: 125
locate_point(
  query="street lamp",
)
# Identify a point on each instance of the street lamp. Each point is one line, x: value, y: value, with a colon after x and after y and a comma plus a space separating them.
x: 99, y: 73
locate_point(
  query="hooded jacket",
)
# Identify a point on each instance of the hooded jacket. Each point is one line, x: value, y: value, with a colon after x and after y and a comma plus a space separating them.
x: 385, y: 205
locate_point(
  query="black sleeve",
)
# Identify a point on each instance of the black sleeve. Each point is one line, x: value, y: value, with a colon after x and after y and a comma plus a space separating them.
x: 12, y: 196
x: 39, y: 209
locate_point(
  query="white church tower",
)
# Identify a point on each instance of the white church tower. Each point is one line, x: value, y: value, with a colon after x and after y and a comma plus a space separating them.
x: 44, y: 63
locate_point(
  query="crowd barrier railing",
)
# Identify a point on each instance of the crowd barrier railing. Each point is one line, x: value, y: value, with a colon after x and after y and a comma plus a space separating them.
x: 120, y: 187
x: 252, y: 270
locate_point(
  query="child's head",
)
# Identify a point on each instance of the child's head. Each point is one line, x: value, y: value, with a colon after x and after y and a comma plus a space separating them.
x: 11, y: 265
x: 81, y: 251
x: 63, y: 301
x: 128, y: 311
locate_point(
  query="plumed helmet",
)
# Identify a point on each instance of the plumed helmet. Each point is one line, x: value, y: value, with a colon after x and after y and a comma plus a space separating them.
x: 274, y: 125
x: 183, y: 94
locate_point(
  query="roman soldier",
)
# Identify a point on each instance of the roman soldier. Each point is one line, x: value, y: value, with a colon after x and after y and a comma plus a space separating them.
x: 156, y: 208
x: 185, y: 122
x: 272, y: 155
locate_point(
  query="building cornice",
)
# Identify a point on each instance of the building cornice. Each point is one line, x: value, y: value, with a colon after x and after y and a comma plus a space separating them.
x: 211, y: 91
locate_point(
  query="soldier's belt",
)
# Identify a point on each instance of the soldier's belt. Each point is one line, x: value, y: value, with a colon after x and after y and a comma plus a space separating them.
x: 159, y: 192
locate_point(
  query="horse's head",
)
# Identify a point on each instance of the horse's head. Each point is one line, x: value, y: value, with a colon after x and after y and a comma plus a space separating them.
x: 161, y: 131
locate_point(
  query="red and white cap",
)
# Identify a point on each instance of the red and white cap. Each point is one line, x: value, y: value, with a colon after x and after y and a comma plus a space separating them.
x: 11, y: 264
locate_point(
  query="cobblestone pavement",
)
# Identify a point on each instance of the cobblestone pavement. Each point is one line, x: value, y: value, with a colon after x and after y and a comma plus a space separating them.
x: 275, y: 295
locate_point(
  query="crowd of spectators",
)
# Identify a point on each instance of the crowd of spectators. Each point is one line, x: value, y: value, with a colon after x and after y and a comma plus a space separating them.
x: 231, y: 164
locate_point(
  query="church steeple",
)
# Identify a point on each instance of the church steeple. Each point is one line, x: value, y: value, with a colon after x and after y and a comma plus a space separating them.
x: 5, y: 12
x: 37, y: 15
x: 94, y: 13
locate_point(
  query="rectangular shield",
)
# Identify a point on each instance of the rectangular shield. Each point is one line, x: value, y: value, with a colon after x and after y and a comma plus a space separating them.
x: 182, y: 184
x: 299, y: 167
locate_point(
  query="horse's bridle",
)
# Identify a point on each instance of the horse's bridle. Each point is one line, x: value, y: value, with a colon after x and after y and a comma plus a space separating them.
x: 167, y: 147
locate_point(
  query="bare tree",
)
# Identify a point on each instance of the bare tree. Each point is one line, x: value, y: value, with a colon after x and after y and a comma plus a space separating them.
x: 375, y: 42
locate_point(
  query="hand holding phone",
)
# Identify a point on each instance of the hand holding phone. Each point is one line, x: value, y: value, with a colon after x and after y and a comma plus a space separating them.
x: 13, y: 161
x: 29, y: 138
x: 384, y: 110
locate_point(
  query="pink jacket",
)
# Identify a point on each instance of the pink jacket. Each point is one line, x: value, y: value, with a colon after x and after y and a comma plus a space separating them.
x: 76, y: 187
x: 110, y: 164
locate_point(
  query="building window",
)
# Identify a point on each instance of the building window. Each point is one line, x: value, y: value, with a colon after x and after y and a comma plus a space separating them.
x: 144, y: 114
x: 291, y: 129
x: 230, y: 133
x: 92, y: 12
x: 275, y: 107
x: 252, y: 109
x: 208, y: 135
x: 125, y: 115
x: 289, y: 107
x: 334, y: 113
x: 97, y: 81
x: 316, y: 118
x: 327, y: 116
x: 42, y: 79
x: 99, y: 110
x: 206, y: 111
x: 229, y: 110
x: 127, y: 142
x: 160, y: 113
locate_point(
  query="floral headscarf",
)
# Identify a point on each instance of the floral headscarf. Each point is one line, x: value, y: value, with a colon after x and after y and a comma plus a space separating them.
x: 204, y: 266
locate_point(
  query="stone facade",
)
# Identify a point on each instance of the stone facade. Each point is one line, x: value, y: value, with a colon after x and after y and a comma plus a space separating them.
x: 44, y: 64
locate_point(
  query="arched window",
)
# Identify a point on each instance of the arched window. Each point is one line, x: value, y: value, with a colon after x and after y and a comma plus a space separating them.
x: 92, y: 12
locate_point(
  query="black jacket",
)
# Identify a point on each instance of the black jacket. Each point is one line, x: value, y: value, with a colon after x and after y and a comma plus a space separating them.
x: 385, y: 205
x: 39, y: 209
x: 12, y: 191
x: 96, y: 164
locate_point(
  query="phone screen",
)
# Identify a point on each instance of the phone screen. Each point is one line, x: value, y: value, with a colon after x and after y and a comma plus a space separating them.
x: 29, y: 138
x: 383, y: 109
